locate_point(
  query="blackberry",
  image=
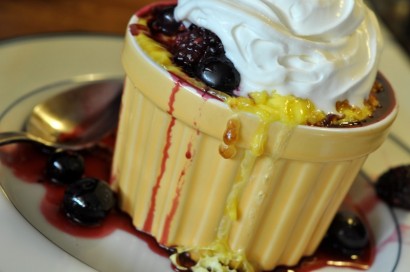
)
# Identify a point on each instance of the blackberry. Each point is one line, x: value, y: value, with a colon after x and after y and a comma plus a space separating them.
x: 393, y: 187
x: 194, y: 44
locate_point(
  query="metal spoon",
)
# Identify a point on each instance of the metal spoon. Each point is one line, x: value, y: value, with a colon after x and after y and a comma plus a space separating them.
x: 74, y: 119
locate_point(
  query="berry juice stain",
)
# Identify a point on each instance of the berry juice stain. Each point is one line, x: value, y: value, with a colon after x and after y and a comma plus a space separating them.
x: 331, y: 253
x: 165, y: 155
x: 28, y: 161
x: 177, y: 194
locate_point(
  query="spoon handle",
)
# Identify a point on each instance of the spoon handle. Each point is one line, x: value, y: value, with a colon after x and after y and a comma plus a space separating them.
x: 17, y: 136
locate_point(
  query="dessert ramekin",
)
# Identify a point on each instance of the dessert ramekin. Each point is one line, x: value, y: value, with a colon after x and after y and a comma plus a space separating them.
x: 173, y: 182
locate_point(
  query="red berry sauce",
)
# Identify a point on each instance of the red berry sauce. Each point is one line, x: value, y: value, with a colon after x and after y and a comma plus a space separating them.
x: 27, y: 161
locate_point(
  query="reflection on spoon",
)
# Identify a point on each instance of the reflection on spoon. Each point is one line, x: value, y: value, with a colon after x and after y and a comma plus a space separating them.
x: 74, y: 119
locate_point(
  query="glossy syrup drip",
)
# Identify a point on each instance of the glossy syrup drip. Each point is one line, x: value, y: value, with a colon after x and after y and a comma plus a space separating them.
x: 231, y: 136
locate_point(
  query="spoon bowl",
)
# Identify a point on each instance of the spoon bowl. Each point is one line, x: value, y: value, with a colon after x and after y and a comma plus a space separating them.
x: 74, y: 119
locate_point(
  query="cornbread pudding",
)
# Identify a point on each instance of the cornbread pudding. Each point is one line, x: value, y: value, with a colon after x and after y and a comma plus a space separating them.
x: 244, y: 124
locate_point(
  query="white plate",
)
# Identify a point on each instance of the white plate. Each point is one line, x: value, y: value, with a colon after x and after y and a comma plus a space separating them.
x: 34, y: 68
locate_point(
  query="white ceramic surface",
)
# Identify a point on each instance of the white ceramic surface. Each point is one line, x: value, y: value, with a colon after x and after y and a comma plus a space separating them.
x: 30, y: 64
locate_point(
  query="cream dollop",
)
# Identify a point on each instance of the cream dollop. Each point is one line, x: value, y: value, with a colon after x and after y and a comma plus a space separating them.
x: 322, y: 50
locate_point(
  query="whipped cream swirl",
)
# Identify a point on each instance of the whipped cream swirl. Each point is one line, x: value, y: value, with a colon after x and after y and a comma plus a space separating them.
x: 322, y: 50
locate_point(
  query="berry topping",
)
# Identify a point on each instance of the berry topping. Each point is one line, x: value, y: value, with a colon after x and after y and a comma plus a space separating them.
x: 194, y: 44
x: 347, y: 233
x: 394, y: 187
x: 163, y: 21
x: 196, y: 50
x: 65, y: 166
x: 88, y: 201
x: 219, y: 73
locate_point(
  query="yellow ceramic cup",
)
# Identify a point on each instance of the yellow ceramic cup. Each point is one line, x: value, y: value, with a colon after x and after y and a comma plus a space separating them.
x: 174, y: 183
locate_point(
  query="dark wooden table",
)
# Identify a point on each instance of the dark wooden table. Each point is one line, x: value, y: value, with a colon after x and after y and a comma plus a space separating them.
x: 28, y: 17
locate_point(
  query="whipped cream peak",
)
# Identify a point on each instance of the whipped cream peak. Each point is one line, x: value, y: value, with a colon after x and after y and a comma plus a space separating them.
x: 322, y: 50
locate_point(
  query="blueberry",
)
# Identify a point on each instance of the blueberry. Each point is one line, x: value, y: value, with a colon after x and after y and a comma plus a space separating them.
x: 88, y: 201
x: 348, y: 233
x: 164, y: 21
x: 65, y: 167
x: 219, y: 73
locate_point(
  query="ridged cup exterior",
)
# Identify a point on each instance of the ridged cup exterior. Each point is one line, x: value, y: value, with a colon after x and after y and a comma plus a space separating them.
x: 174, y: 183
